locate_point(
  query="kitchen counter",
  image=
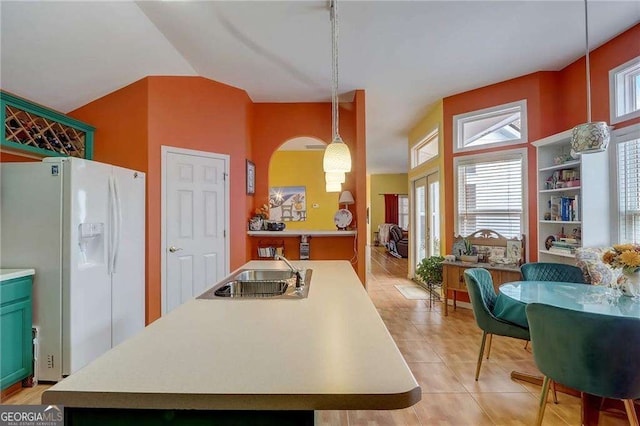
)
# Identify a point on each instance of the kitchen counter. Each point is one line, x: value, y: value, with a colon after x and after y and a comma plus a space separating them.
x: 9, y: 274
x: 329, y: 351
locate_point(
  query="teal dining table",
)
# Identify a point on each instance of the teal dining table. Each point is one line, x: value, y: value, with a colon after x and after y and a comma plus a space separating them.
x: 513, y: 298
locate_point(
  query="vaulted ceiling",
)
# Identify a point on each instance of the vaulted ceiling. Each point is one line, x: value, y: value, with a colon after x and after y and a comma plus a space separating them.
x: 406, y: 55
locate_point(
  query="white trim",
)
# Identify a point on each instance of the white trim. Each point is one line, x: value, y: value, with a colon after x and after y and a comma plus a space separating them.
x: 460, y: 119
x: 435, y: 131
x: 412, y: 214
x: 492, y: 156
x: 624, y: 134
x: 613, y: 92
x: 163, y: 214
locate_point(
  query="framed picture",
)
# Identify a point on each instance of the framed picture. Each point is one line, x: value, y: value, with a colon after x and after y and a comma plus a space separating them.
x: 251, y: 178
x: 288, y: 203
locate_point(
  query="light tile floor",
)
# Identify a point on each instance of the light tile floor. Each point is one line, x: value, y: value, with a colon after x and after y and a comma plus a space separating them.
x: 442, y: 353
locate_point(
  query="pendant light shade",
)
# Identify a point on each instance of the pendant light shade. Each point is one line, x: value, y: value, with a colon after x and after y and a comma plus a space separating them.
x: 337, y: 158
x: 334, y: 177
x: 333, y: 187
x: 591, y: 136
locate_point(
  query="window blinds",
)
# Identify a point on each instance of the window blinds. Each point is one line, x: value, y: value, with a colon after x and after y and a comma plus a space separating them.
x: 490, y: 196
x: 629, y: 190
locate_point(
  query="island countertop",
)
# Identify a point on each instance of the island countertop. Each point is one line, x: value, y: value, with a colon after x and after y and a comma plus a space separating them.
x: 328, y: 351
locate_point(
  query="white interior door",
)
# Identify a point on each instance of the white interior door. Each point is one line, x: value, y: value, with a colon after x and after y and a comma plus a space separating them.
x: 196, y: 211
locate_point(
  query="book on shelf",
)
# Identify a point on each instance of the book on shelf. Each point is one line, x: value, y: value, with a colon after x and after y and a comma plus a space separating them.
x: 563, y: 208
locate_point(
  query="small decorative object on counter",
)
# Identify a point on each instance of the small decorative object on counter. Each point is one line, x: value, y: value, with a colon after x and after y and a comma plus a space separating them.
x: 469, y: 254
x: 255, y: 223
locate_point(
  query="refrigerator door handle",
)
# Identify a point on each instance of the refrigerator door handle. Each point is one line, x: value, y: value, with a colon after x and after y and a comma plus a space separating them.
x: 118, y: 221
x: 112, y: 219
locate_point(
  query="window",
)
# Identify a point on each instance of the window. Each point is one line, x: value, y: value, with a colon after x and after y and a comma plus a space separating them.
x: 403, y: 212
x: 425, y: 150
x: 490, y: 193
x: 496, y: 126
x: 627, y: 155
x: 624, y: 90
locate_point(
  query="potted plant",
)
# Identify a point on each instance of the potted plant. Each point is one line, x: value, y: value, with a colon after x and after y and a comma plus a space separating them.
x: 469, y: 253
x: 429, y: 270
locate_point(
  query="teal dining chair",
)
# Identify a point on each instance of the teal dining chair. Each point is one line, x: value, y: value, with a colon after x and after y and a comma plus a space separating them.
x: 592, y: 353
x: 483, y: 298
x: 542, y: 271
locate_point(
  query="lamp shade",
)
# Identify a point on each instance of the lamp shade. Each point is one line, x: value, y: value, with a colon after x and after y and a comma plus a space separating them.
x: 346, y: 198
x: 333, y: 187
x: 590, y: 137
x: 334, y: 177
x: 337, y: 158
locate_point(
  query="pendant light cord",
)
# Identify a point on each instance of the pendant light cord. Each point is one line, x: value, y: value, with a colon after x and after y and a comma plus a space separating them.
x: 586, y: 32
x: 334, y: 68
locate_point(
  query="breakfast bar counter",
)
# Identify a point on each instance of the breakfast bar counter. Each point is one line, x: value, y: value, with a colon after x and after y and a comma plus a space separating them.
x: 330, y: 351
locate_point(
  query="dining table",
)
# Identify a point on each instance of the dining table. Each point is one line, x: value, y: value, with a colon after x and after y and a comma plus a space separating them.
x: 513, y: 297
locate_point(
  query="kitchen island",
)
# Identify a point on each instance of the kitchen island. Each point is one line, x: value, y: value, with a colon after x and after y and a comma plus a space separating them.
x: 252, y: 357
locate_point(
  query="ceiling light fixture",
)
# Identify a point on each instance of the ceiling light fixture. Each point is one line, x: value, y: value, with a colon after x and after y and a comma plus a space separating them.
x: 590, y: 136
x: 333, y: 177
x: 333, y: 187
x: 337, y: 158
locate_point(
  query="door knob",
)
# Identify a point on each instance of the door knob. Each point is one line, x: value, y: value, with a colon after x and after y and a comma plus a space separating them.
x: 174, y: 249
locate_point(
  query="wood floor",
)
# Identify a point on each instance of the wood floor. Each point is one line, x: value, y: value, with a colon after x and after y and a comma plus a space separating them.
x: 442, y: 353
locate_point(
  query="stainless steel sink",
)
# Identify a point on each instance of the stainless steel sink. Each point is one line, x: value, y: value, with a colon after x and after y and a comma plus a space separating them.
x: 260, y: 283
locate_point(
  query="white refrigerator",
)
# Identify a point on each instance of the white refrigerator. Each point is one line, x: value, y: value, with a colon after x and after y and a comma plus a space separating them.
x: 81, y: 225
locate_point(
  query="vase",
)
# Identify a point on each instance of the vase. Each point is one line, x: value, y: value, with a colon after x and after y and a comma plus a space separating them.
x: 631, y: 284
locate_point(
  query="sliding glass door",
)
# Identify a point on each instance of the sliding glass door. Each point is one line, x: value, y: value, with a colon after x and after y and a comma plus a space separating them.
x: 426, y: 217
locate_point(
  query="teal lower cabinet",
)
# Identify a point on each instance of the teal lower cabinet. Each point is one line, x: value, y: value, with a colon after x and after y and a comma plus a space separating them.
x: 16, y: 343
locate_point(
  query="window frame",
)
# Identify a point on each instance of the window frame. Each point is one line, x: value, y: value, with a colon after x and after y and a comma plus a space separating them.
x: 488, y: 157
x: 622, y: 135
x: 400, y: 214
x: 460, y: 119
x: 433, y: 136
x: 631, y: 67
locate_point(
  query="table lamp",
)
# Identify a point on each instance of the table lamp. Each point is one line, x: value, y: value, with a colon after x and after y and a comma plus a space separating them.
x: 343, y: 217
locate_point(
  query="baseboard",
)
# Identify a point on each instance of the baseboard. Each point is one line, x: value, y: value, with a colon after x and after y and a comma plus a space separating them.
x: 460, y: 304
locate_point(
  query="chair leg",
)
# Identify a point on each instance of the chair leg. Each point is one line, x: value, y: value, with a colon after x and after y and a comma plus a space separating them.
x: 489, y: 345
x: 553, y: 389
x: 543, y: 400
x: 631, y: 412
x: 484, y: 339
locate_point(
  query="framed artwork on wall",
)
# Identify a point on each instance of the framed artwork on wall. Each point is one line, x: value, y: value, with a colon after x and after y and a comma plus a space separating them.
x: 251, y: 177
x: 288, y: 203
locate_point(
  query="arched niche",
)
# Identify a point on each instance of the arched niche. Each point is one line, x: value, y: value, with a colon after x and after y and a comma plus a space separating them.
x: 297, y: 193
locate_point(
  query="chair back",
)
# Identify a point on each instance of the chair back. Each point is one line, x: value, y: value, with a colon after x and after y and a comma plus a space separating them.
x: 552, y: 272
x: 482, y: 295
x: 592, y: 353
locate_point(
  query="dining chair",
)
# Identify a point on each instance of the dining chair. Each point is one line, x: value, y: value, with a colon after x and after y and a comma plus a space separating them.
x: 541, y: 271
x: 593, y: 353
x: 483, y: 299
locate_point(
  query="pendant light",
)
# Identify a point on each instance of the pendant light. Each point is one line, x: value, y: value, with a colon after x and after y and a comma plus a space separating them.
x: 590, y: 136
x: 337, y: 158
x: 333, y: 187
x: 334, y: 177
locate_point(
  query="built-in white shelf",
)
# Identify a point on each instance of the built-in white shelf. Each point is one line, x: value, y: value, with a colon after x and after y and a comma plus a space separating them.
x: 572, y: 256
x: 566, y: 165
x: 567, y: 222
x: 570, y: 188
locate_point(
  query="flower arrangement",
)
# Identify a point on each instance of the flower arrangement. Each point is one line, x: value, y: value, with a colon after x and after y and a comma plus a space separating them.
x: 262, y: 211
x: 625, y: 256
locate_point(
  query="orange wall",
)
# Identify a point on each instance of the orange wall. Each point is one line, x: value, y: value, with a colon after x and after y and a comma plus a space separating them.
x: 275, y: 123
x: 200, y: 114
x: 186, y: 112
x: 617, y: 51
x: 556, y: 101
x: 6, y: 157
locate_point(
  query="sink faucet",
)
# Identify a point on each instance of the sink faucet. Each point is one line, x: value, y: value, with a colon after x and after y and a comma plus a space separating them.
x: 295, y: 270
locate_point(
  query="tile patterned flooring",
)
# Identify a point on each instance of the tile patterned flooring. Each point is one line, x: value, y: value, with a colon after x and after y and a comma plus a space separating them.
x: 442, y: 353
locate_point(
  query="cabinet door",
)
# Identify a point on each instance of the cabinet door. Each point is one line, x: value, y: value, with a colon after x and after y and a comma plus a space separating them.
x: 15, y: 342
x: 458, y: 280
